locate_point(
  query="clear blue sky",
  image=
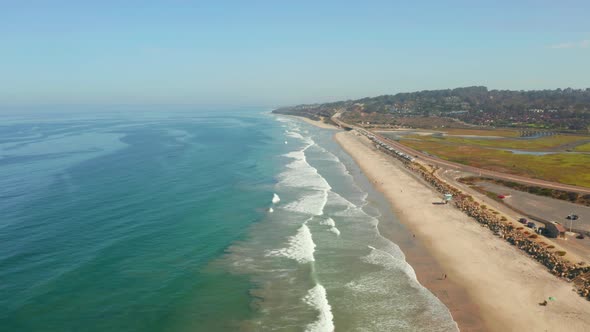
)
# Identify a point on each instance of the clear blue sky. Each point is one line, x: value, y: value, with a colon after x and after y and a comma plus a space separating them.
x: 283, y: 52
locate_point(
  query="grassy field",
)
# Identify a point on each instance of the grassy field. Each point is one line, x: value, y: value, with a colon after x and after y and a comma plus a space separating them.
x: 537, y: 144
x: 560, y: 167
x: 483, y: 132
x: 583, y: 148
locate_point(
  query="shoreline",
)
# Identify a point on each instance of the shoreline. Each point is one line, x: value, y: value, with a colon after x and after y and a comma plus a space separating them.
x: 316, y: 123
x: 491, y: 285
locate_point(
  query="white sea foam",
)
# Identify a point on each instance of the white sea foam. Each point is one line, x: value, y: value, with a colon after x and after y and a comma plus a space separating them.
x: 300, y: 246
x: 330, y: 222
x: 318, y: 299
x: 309, y: 204
x: 334, y: 199
x: 351, y: 210
x: 374, y: 291
x: 301, y: 174
x: 335, y: 231
x: 271, y: 210
x: 284, y: 120
x: 304, y: 177
x: 326, y: 155
x: 389, y: 262
x: 294, y: 134
x: 275, y: 198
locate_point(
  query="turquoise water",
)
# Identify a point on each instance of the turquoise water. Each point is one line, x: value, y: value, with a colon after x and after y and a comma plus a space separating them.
x: 193, y: 221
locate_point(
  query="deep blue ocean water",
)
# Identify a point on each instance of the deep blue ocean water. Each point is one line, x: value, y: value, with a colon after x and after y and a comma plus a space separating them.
x: 193, y: 220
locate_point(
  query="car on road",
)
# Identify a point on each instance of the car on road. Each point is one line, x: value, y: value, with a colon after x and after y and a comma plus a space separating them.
x: 522, y: 220
x: 580, y: 236
x: 572, y: 217
x: 531, y: 224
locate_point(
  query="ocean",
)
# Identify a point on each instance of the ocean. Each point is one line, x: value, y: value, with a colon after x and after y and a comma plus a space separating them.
x: 194, y: 220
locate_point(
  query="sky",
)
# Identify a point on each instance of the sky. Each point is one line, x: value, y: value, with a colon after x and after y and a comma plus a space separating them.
x: 276, y: 53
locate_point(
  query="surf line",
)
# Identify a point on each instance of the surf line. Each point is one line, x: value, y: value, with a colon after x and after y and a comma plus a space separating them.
x: 301, y: 246
x: 317, y: 298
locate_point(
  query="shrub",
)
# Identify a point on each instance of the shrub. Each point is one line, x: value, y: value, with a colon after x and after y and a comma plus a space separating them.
x: 504, y: 219
x: 560, y: 253
x: 483, y: 207
x: 551, y: 247
x: 533, y: 236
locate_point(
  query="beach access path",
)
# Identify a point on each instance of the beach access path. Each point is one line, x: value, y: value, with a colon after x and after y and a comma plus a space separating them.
x: 504, y: 284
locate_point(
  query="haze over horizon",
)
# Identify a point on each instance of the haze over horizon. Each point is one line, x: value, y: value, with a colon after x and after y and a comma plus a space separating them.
x: 271, y: 54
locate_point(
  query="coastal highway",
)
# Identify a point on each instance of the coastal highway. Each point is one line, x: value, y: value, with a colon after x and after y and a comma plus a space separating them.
x: 464, y: 168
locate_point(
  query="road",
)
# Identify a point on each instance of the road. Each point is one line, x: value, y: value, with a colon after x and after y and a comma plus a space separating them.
x: 464, y: 168
x: 545, y: 207
x: 580, y: 248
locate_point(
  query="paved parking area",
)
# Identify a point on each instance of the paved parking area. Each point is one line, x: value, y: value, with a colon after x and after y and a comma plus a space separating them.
x: 544, y: 207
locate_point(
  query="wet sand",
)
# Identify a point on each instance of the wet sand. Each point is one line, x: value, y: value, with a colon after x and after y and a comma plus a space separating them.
x: 490, y: 285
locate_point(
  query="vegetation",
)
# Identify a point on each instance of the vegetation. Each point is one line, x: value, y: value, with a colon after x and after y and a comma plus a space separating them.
x: 560, y: 117
x: 537, y: 144
x: 583, y: 148
x: 560, y: 109
x: 548, y: 167
x: 481, y: 132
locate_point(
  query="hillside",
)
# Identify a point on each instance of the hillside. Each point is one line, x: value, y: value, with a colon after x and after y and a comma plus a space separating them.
x: 560, y: 109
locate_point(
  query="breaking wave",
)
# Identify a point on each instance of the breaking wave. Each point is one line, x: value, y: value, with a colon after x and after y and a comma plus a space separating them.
x: 275, y: 199
x: 317, y: 298
x: 294, y: 134
x: 330, y: 222
x: 300, y: 246
x: 312, y: 203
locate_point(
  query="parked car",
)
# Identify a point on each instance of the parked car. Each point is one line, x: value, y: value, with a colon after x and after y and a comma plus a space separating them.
x: 522, y: 220
x: 580, y: 236
x: 531, y: 224
x: 572, y: 217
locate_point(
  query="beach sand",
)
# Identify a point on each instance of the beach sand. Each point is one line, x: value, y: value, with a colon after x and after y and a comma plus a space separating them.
x: 490, y: 285
x: 316, y: 123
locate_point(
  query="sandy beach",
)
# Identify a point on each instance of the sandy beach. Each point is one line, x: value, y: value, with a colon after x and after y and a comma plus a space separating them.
x: 486, y: 277
x: 316, y: 123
